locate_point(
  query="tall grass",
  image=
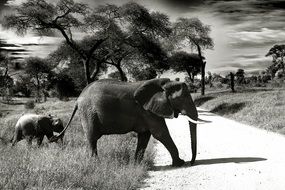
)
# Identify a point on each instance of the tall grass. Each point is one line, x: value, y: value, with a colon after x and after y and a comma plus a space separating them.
x: 69, y: 166
x: 261, y: 108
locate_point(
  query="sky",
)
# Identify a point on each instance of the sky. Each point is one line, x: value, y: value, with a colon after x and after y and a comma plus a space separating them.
x: 243, y: 30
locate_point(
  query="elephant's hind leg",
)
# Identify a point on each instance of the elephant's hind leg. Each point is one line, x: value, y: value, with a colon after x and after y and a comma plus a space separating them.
x: 90, y: 124
x: 143, y: 139
x: 17, y: 137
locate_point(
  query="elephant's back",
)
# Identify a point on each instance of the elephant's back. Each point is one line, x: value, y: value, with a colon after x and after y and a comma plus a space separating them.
x: 109, y: 87
x: 28, y: 123
x: 112, y: 102
x: 28, y: 118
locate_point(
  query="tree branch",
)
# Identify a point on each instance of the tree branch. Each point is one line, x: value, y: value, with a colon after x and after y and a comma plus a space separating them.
x: 70, y: 42
x: 63, y: 15
x: 95, y: 46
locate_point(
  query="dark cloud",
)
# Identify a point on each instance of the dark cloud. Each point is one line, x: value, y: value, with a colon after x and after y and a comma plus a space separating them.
x: 254, y: 56
x: 269, y: 5
x: 261, y: 13
x: 183, y: 3
x: 13, y: 50
x: 33, y: 44
x: 8, y: 45
x: 19, y: 53
x: 2, y: 4
x: 16, y: 52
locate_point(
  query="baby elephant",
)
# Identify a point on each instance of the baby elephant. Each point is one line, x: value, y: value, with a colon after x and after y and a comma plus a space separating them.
x: 38, y: 126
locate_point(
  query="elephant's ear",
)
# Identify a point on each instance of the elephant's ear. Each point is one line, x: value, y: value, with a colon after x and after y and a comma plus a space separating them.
x: 152, y: 97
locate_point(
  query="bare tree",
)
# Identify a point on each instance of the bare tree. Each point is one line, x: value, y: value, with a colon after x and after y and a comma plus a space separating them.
x: 196, y: 34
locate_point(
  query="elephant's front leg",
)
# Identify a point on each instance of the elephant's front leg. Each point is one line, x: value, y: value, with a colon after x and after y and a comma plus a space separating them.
x: 161, y: 133
x: 29, y: 140
x: 143, y: 139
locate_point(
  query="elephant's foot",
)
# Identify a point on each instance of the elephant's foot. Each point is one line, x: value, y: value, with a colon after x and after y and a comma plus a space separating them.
x: 192, y: 162
x: 178, y: 163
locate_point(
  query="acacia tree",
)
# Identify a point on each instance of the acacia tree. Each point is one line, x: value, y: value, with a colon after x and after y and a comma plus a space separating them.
x: 196, y: 35
x: 128, y: 39
x: 277, y: 52
x: 272, y: 69
x: 6, y: 82
x: 133, y: 36
x: 185, y: 62
x: 143, y: 74
x: 38, y: 71
x: 240, y: 76
x: 47, y: 18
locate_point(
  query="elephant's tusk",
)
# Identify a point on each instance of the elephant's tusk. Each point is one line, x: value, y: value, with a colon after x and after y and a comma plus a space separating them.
x: 199, y: 121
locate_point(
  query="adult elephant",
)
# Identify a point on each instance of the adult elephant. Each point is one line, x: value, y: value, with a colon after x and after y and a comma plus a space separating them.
x: 113, y: 107
x: 31, y: 126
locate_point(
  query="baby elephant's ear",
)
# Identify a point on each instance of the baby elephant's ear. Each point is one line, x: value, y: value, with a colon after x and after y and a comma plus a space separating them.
x: 151, y: 96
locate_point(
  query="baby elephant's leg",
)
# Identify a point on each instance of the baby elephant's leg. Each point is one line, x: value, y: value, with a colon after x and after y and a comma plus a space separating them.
x: 40, y: 140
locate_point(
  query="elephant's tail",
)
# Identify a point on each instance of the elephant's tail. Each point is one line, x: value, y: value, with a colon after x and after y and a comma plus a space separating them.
x: 56, y: 137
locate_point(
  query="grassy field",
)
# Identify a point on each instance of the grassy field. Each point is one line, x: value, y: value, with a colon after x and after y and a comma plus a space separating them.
x: 69, y: 166
x: 264, y: 108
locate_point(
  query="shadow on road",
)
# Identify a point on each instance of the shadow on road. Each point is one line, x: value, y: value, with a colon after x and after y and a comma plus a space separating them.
x: 236, y: 160
x: 201, y: 100
x: 225, y: 108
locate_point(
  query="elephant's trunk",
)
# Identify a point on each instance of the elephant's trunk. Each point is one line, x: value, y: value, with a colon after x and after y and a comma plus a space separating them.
x: 192, y: 115
x: 193, y: 135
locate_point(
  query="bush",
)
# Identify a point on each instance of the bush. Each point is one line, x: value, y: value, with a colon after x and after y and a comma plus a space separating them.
x: 22, y: 88
x: 219, y: 85
x: 30, y: 104
x: 64, y: 86
x: 192, y: 87
x: 258, y: 84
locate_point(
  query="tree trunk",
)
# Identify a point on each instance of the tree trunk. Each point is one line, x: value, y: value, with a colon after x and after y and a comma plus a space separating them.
x: 38, y: 89
x: 87, y: 71
x: 96, y: 71
x: 202, y: 70
x: 190, y: 75
x: 203, y: 78
x: 122, y: 74
x: 232, y: 81
x: 282, y: 62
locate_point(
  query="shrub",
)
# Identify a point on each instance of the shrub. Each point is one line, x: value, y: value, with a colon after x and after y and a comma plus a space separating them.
x: 219, y: 85
x: 63, y: 85
x: 192, y: 87
x: 30, y: 104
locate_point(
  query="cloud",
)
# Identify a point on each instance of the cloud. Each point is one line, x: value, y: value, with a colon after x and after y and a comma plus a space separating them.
x: 249, y: 56
x: 249, y: 14
x: 269, y: 4
x: 263, y: 37
x: 247, y: 63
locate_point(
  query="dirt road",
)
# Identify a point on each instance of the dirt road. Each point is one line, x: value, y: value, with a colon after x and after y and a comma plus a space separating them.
x: 230, y: 156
